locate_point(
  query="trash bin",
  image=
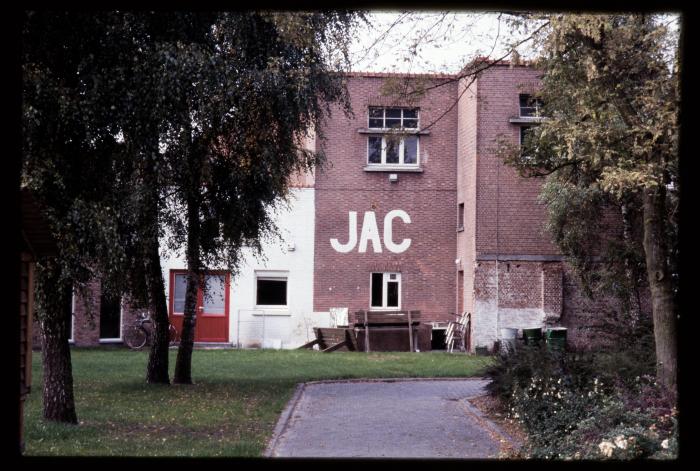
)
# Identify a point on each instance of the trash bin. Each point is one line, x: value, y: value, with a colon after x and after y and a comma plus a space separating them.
x: 508, y: 337
x: 556, y: 338
x: 532, y: 337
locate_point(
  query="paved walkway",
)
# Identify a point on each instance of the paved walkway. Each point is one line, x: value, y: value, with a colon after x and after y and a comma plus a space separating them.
x: 386, y: 419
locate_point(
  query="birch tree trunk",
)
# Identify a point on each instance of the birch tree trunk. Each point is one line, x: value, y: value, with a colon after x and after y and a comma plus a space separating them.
x: 53, y: 303
x: 183, y: 364
x: 157, y: 369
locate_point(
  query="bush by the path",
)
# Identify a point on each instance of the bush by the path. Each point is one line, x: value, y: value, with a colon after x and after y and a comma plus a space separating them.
x: 583, y: 406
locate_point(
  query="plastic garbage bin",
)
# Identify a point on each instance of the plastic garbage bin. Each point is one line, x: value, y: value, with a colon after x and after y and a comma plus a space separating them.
x: 556, y: 338
x: 532, y: 337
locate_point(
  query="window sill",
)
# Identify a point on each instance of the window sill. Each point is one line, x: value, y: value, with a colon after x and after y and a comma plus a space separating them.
x: 271, y: 311
x: 392, y: 168
x: 526, y: 119
x: 111, y: 340
x: 393, y: 131
x: 460, y: 229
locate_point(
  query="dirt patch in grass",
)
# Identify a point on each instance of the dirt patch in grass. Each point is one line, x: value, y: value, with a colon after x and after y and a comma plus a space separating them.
x: 495, y: 411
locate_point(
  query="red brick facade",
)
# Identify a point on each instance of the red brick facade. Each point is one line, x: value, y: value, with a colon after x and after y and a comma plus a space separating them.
x: 427, y: 267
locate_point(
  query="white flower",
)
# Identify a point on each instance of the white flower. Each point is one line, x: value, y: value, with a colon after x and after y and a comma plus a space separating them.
x: 620, y: 442
x: 606, y: 448
x: 664, y: 444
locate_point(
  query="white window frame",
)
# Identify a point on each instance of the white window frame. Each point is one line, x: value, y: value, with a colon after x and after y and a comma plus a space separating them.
x: 274, y: 275
x: 175, y: 275
x: 384, y: 108
x: 121, y: 326
x: 72, y: 318
x: 385, y: 281
x: 383, y: 161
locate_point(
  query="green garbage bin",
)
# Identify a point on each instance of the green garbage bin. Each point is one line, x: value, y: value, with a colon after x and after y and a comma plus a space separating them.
x: 532, y: 336
x: 556, y: 338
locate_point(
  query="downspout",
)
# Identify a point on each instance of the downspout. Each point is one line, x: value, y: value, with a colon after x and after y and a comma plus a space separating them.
x: 498, y: 197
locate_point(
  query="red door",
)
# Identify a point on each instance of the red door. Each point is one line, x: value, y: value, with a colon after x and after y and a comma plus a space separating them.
x: 212, y: 305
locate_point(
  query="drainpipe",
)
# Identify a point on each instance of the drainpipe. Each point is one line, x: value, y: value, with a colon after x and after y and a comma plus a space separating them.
x: 498, y: 197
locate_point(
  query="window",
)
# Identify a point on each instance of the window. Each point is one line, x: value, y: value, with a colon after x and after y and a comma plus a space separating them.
x: 393, y: 149
x: 179, y: 290
x: 460, y: 217
x: 392, y: 118
x: 71, y: 324
x: 385, y: 289
x: 524, y: 130
x: 211, y: 301
x: 271, y: 290
x: 214, y: 295
x: 530, y: 106
x: 110, y: 317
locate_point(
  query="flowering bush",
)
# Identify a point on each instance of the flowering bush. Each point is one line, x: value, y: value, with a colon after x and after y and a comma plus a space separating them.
x: 571, y: 411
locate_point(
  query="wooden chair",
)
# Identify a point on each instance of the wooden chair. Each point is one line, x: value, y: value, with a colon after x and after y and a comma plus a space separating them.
x: 457, y: 333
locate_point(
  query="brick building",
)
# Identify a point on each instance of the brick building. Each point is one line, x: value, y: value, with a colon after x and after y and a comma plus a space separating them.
x: 427, y: 218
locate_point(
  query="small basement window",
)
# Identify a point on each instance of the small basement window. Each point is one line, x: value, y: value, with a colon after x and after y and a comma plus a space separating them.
x: 271, y: 291
x: 385, y: 289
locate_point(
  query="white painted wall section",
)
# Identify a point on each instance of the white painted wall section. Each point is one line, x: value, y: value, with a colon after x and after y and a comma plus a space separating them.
x: 292, y: 257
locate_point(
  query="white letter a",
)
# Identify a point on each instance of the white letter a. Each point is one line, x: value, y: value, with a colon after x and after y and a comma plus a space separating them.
x: 370, y: 232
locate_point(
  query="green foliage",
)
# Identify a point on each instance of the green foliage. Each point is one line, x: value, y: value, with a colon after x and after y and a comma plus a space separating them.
x: 586, y: 406
x: 608, y: 147
x: 116, y: 103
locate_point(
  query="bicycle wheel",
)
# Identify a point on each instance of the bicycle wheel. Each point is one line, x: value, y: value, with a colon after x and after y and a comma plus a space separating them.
x: 173, y: 335
x: 135, y: 337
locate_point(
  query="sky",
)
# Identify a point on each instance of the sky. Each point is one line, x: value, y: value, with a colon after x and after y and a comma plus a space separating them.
x: 447, y: 41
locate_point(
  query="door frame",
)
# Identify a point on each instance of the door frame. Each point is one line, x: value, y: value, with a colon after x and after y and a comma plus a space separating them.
x: 201, y: 314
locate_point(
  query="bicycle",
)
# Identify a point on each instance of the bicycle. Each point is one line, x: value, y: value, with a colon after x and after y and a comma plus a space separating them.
x: 138, y: 335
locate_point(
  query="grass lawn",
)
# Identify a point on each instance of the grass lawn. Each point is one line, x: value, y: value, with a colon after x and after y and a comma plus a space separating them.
x: 230, y: 411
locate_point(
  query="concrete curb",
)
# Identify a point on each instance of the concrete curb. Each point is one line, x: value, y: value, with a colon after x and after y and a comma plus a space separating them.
x: 496, y: 432
x: 283, y: 420
x: 288, y: 411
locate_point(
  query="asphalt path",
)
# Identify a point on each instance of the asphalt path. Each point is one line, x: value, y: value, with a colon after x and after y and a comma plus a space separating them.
x: 386, y: 419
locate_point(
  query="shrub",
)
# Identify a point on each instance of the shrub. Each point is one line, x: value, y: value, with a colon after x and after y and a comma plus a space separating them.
x: 578, y: 405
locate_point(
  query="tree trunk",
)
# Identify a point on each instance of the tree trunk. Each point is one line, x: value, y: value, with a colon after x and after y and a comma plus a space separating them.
x: 53, y: 303
x: 183, y: 364
x: 662, y: 297
x: 157, y: 370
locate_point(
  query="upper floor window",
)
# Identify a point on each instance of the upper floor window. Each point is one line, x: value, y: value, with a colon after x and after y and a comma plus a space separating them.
x: 530, y: 106
x: 392, y: 149
x: 390, y: 118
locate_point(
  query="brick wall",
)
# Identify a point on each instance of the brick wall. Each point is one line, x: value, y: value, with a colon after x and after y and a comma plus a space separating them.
x: 517, y: 295
x: 429, y: 198
x: 86, y: 318
x: 466, y: 185
x: 509, y: 219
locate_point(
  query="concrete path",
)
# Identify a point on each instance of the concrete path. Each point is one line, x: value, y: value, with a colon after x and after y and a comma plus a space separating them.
x: 386, y: 419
